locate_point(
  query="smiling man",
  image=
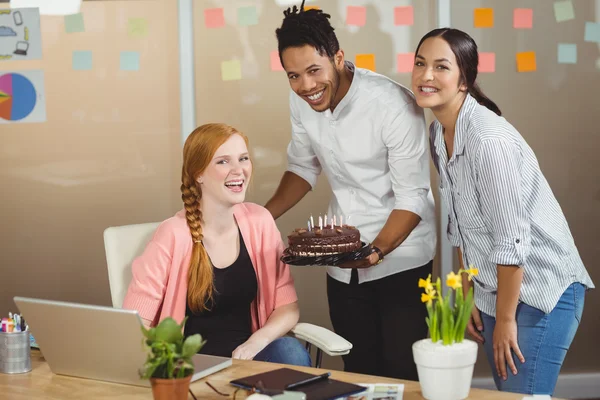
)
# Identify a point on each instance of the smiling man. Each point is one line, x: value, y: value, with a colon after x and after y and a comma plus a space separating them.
x: 367, y: 134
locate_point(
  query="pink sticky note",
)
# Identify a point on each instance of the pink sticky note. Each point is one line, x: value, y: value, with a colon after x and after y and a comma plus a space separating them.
x: 404, y: 15
x: 523, y: 18
x: 275, y: 61
x: 487, y: 62
x: 356, y: 16
x: 214, y: 18
x: 406, y: 61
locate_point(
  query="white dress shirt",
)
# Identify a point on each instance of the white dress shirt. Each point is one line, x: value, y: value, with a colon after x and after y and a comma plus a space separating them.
x: 373, y: 150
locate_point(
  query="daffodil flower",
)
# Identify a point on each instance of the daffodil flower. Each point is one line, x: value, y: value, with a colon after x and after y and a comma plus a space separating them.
x: 428, y: 297
x: 453, y: 281
x: 426, y: 283
x: 472, y: 271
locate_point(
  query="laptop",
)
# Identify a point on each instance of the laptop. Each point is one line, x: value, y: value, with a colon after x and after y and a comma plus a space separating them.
x: 22, y: 48
x: 96, y: 342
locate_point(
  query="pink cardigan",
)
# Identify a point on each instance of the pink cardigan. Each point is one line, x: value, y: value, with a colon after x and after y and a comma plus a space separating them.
x: 158, y: 288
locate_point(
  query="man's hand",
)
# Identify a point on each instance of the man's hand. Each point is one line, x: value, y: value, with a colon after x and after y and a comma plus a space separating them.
x: 366, y: 262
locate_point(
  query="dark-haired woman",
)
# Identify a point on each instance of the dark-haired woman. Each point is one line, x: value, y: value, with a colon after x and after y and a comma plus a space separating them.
x: 503, y: 218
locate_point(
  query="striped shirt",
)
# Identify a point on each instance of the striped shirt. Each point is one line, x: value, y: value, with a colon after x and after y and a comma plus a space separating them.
x: 502, y: 210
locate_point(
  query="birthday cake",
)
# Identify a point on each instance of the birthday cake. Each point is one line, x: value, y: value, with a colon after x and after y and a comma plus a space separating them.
x: 323, y: 240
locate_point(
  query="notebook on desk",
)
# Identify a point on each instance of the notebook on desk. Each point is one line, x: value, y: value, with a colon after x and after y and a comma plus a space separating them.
x: 278, y: 379
x: 95, y: 342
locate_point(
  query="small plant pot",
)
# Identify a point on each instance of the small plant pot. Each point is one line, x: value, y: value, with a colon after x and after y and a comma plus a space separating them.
x: 170, y: 389
x: 445, y: 372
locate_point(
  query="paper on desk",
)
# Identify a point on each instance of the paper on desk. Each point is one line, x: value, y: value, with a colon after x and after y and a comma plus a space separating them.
x: 378, y: 391
x: 537, y: 397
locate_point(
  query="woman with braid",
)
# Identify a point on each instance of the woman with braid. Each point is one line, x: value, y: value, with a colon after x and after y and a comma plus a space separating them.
x: 217, y: 260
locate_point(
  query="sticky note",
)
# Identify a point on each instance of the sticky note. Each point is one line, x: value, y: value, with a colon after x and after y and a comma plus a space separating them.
x: 74, y: 23
x: 483, y: 17
x: 130, y: 61
x: 406, y: 61
x: 523, y: 18
x: 567, y: 53
x: 231, y: 70
x: 82, y: 60
x: 563, y: 10
x: 275, y: 61
x: 137, y: 27
x: 487, y: 62
x: 247, y: 16
x: 306, y: 8
x: 592, y: 32
x: 356, y: 16
x: 366, y: 61
x: 214, y: 18
x: 404, y: 15
x: 526, y: 61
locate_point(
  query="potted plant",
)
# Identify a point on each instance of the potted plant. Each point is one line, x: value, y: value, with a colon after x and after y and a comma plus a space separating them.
x: 446, y: 359
x: 169, y: 363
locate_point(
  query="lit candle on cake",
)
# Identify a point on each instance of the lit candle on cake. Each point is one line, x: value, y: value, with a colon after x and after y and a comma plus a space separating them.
x: 325, y: 221
x: 320, y: 222
x: 334, y: 222
x: 312, y: 223
x: 341, y: 220
x: 308, y: 223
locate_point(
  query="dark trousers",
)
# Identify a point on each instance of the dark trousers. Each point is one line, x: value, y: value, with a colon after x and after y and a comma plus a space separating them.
x: 382, y: 319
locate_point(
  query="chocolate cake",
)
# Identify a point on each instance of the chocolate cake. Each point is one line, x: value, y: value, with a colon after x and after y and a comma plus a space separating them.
x: 317, y: 242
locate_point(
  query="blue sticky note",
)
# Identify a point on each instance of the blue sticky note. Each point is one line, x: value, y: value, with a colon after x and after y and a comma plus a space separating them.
x: 567, y: 53
x: 592, y: 32
x: 74, y: 23
x: 247, y: 16
x: 130, y: 61
x: 82, y: 60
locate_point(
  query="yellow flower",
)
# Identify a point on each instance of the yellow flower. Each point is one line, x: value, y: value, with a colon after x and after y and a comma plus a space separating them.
x: 453, y: 281
x: 472, y: 271
x: 426, y: 283
x: 428, y: 297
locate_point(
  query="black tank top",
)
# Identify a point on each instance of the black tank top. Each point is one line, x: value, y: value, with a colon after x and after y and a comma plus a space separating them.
x: 228, y: 323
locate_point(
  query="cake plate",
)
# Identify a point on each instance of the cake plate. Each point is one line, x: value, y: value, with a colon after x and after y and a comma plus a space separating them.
x: 327, y: 259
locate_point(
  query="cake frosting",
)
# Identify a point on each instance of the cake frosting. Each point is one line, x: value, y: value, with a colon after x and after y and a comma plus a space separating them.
x: 324, y: 241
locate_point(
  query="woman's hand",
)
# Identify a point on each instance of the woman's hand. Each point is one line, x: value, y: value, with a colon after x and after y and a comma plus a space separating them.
x: 505, y: 341
x: 249, y: 349
x: 475, y: 326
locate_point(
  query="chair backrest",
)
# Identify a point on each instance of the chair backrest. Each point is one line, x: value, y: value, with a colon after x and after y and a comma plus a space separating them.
x: 122, y: 245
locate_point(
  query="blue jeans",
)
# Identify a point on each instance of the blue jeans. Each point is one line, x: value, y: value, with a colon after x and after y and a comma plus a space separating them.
x: 285, y: 350
x: 543, y: 339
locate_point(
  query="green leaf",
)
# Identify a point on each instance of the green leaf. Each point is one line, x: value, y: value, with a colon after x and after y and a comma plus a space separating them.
x: 192, y: 345
x: 168, y: 331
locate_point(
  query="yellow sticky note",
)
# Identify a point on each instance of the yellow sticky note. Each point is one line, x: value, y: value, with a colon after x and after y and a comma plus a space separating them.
x: 306, y: 8
x: 526, y: 61
x: 366, y: 61
x: 137, y: 27
x: 231, y: 70
x: 483, y: 17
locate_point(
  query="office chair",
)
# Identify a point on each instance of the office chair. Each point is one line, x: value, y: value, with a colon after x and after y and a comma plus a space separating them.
x: 124, y: 243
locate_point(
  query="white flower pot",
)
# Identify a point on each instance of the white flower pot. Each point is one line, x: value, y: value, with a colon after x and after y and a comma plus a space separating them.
x: 445, y: 372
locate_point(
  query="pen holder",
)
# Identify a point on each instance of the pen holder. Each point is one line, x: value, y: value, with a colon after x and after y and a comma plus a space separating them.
x: 15, y: 354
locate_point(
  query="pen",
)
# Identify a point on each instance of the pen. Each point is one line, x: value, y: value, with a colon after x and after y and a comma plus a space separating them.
x: 312, y: 379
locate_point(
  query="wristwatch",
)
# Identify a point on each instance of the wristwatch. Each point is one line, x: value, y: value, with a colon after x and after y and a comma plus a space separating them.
x: 375, y: 249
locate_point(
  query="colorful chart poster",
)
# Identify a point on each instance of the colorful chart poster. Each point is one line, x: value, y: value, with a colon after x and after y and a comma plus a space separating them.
x: 22, y: 98
x: 20, y: 37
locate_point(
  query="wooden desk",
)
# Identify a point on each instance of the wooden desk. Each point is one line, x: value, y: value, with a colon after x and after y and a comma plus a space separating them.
x: 41, y: 383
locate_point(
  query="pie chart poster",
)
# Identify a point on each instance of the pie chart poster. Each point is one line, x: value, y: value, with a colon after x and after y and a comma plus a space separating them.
x: 22, y: 98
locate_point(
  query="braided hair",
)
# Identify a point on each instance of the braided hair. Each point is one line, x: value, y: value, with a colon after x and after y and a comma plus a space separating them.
x: 198, y: 151
x: 302, y: 27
